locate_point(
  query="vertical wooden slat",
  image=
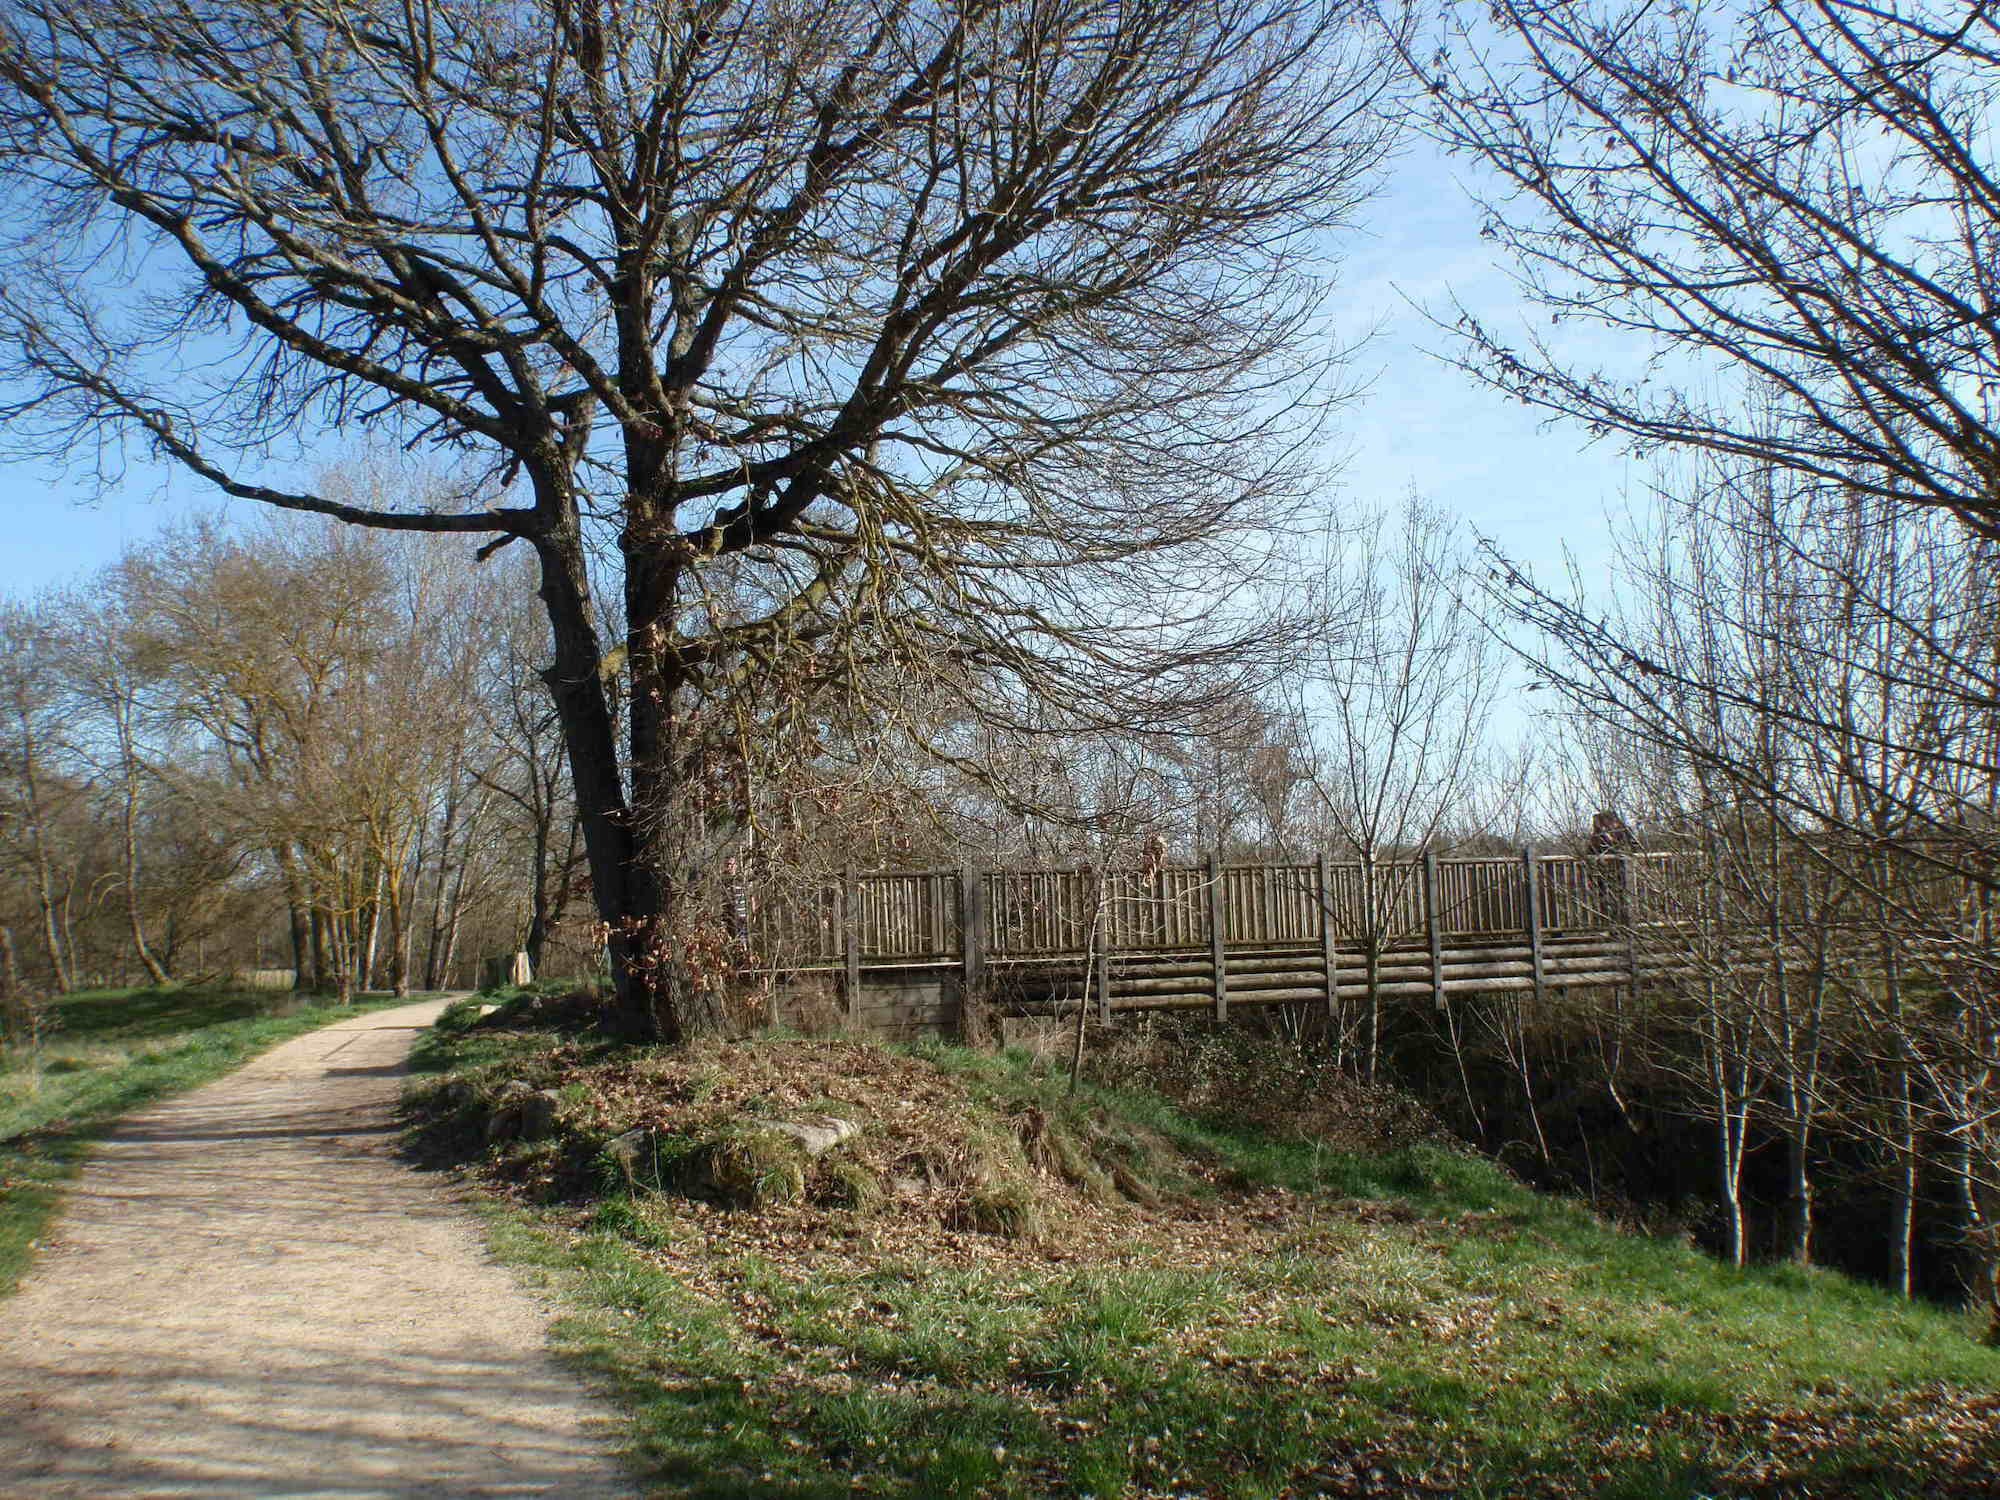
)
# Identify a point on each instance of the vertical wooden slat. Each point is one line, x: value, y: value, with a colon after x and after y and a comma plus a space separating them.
x: 1532, y: 888
x: 1628, y: 915
x: 1434, y: 930
x: 1326, y: 935
x: 1218, y: 915
x: 851, y: 940
x: 1104, y: 975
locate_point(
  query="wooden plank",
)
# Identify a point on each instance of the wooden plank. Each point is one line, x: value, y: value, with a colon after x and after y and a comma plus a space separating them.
x: 1218, y: 915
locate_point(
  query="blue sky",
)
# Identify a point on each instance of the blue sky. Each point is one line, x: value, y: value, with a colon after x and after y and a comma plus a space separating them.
x: 1422, y: 425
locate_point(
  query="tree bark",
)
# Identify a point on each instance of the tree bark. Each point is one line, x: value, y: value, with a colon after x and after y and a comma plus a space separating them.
x: 583, y: 710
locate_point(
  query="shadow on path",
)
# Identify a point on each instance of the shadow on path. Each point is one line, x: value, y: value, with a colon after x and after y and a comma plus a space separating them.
x: 249, y: 1295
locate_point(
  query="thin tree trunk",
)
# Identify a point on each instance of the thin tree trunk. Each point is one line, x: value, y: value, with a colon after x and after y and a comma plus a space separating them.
x: 455, y: 915
x: 1902, y: 1104
x: 1730, y: 1133
x: 434, y: 956
x: 370, y: 942
x: 45, y: 901
x: 322, y: 944
x: 538, y: 915
x: 1372, y: 1052
x: 298, y: 916
x: 155, y: 971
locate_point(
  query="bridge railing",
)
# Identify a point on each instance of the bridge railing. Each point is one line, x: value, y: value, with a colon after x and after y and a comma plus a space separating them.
x: 922, y: 916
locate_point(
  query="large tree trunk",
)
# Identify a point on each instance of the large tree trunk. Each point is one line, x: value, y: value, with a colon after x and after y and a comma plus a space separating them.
x: 1798, y: 1208
x: 1730, y: 1130
x: 626, y: 897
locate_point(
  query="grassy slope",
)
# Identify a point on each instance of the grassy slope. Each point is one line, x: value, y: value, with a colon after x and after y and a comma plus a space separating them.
x: 106, y: 1053
x: 1411, y: 1323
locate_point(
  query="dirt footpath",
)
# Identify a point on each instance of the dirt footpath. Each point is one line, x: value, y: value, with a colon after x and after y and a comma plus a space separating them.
x: 249, y: 1296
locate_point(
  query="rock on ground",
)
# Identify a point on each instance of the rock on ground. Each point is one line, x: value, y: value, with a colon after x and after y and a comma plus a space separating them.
x: 249, y: 1295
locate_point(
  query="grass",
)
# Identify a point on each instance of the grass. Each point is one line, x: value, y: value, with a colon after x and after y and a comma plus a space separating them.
x: 1285, y: 1320
x: 108, y: 1052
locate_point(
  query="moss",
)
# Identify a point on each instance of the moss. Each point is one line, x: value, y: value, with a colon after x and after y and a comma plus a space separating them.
x: 750, y: 1168
x: 1006, y: 1207
x: 841, y: 1183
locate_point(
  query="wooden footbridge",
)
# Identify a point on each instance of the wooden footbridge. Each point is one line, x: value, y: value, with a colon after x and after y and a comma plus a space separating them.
x: 900, y: 949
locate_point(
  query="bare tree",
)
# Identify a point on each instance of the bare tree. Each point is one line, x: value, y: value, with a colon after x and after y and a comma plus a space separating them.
x: 1787, y: 214
x: 33, y: 790
x: 1392, y: 707
x: 982, y: 331
x: 93, y: 648
x: 1797, y: 194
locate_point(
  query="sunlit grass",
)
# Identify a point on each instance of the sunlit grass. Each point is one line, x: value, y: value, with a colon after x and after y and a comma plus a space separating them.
x: 1418, y: 1323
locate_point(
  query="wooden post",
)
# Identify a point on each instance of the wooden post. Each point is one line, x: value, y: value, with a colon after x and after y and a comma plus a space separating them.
x: 1434, y: 928
x: 1218, y: 921
x: 1326, y: 934
x: 1629, y: 914
x: 850, y: 922
x: 1532, y: 872
x: 972, y: 927
x: 1104, y: 983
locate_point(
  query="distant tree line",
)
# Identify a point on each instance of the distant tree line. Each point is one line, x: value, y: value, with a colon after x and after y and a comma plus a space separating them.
x: 281, y: 748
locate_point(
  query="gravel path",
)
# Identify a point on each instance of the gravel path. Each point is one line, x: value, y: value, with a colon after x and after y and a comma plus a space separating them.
x: 248, y: 1295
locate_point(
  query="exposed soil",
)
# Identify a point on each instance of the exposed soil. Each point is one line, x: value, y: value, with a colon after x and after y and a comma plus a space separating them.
x: 249, y: 1295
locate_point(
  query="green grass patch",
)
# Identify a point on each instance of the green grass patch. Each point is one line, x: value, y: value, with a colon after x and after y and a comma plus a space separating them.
x: 1278, y: 1319
x: 105, y: 1053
